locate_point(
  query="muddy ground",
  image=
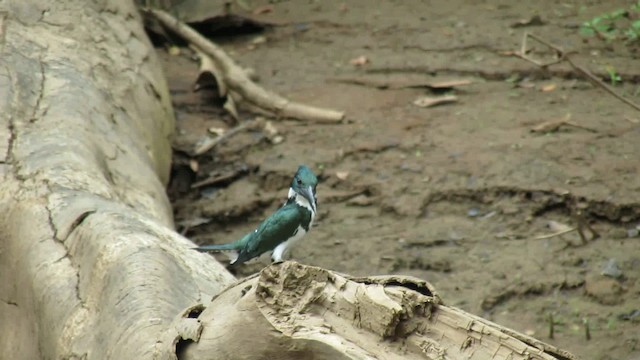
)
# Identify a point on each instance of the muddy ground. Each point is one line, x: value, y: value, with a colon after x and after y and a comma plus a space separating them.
x: 459, y: 194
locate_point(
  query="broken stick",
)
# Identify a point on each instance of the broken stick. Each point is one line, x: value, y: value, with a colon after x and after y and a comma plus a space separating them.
x: 210, y: 143
x: 237, y: 80
x: 562, y: 56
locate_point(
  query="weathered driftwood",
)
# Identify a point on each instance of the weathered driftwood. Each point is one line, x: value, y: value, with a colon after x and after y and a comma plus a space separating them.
x: 89, y: 265
x: 293, y: 311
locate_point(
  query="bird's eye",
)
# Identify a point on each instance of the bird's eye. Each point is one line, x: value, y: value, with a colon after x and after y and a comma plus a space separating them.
x: 299, y: 181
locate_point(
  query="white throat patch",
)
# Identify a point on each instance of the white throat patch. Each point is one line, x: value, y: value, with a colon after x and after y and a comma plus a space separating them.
x: 302, y: 201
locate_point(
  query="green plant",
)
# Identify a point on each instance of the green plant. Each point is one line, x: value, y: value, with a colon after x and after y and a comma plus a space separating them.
x: 614, y: 77
x: 619, y: 24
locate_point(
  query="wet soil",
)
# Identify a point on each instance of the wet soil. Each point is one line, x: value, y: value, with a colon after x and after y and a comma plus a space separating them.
x: 461, y: 195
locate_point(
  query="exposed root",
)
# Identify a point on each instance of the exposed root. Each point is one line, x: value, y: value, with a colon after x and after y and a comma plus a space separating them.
x: 237, y: 81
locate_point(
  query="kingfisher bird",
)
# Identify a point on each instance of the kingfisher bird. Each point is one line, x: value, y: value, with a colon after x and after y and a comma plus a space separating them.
x: 282, y: 229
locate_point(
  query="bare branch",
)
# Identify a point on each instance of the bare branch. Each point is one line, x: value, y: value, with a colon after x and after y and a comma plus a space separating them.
x: 237, y: 80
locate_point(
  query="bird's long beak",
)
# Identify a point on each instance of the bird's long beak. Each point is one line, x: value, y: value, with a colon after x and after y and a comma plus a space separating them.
x: 308, y: 194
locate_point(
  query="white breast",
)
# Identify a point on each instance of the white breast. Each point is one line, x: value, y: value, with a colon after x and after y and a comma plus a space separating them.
x: 282, y: 248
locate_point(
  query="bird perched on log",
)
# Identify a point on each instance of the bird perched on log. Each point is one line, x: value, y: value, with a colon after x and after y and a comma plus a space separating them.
x: 282, y: 229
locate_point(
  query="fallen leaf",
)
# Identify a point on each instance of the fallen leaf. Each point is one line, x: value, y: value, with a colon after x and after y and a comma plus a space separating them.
x: 342, y: 175
x: 548, y: 87
x: 359, y: 61
x: 428, y: 101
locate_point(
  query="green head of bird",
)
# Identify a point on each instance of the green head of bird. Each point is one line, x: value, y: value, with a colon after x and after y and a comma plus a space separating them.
x: 304, y: 185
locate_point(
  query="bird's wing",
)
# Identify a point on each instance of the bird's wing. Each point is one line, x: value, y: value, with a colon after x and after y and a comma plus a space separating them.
x: 277, y: 228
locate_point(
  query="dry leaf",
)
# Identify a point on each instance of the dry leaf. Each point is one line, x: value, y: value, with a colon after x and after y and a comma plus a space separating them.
x: 428, y: 101
x: 548, y: 88
x: 359, y: 61
x: 342, y: 175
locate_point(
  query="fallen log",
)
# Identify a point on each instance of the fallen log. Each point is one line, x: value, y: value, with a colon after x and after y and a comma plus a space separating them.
x: 89, y: 265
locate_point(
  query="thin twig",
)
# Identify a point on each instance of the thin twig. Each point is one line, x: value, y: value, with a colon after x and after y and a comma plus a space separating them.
x: 602, y: 84
x: 237, y: 80
x: 210, y: 143
x: 564, y: 56
x: 549, y: 236
x: 213, y: 180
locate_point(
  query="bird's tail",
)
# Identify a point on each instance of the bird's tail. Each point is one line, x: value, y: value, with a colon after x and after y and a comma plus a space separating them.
x: 232, y: 246
x: 221, y: 247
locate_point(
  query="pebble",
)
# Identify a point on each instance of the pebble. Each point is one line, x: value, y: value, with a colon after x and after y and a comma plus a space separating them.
x: 611, y: 269
x: 473, y: 212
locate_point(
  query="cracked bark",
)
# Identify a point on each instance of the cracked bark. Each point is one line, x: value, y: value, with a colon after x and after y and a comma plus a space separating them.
x: 89, y: 265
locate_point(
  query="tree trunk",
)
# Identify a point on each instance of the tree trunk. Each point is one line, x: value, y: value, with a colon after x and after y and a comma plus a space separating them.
x: 89, y: 265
